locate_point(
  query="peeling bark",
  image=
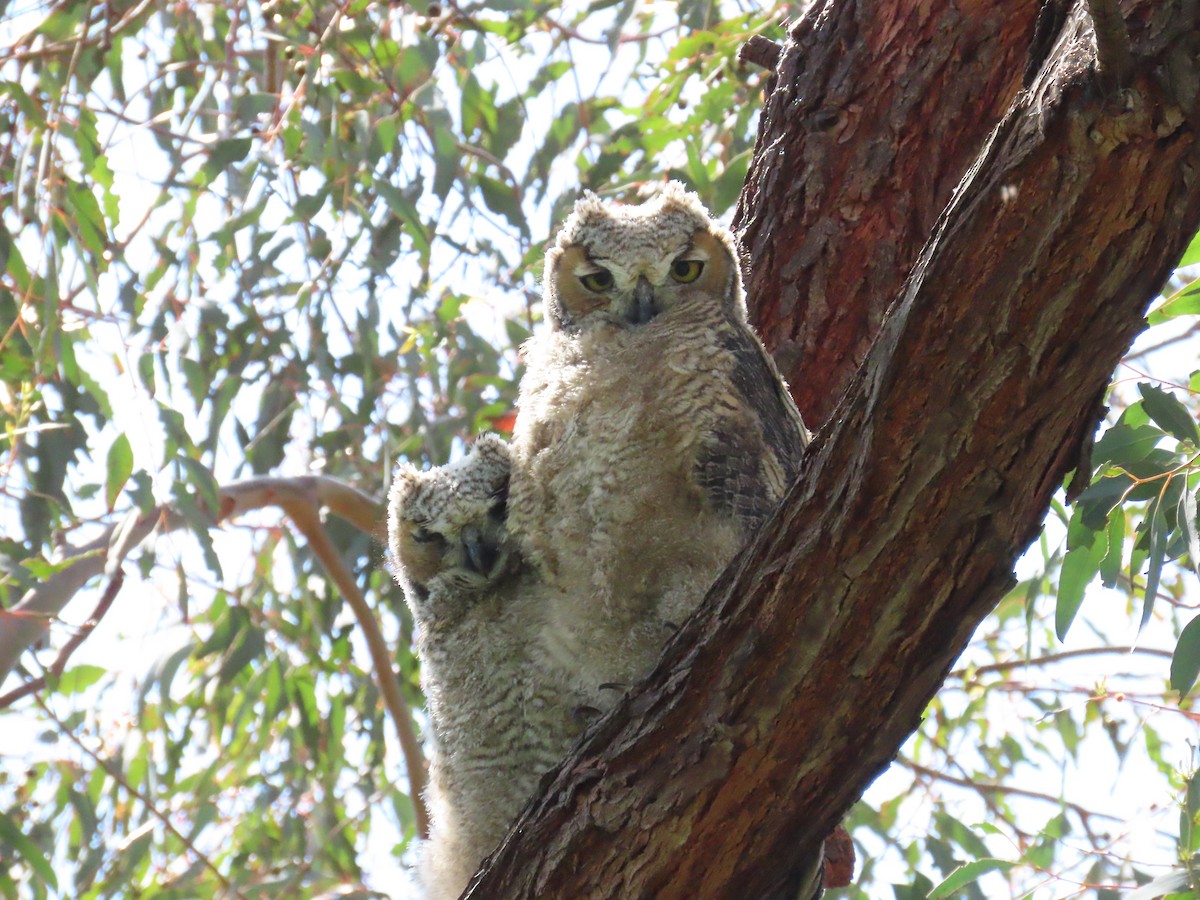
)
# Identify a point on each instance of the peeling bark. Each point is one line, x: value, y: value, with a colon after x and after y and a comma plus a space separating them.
x: 816, y: 652
x: 878, y: 110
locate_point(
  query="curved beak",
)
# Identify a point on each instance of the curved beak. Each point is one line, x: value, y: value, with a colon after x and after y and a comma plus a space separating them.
x: 481, y: 555
x: 643, y: 302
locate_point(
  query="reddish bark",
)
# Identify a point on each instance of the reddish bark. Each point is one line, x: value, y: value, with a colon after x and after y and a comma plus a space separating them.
x: 878, y: 110
x: 817, y: 651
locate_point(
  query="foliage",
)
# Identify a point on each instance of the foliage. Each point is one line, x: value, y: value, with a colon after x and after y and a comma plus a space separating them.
x: 246, y: 239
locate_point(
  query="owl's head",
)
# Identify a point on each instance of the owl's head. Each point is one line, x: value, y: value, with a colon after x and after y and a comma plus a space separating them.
x: 626, y: 265
x: 446, y: 526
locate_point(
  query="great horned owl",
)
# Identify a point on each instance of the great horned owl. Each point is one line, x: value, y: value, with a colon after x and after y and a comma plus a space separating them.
x: 653, y: 432
x: 500, y: 720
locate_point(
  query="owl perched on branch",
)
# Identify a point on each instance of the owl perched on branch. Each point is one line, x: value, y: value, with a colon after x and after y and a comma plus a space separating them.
x: 653, y: 432
x: 500, y: 718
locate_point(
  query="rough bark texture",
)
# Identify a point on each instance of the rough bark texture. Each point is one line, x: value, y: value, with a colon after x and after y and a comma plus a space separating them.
x: 817, y: 651
x: 879, y: 109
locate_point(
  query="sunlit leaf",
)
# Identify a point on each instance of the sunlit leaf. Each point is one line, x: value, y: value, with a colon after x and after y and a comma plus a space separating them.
x: 119, y: 468
x: 79, y: 678
x: 27, y: 851
x: 1079, y: 567
x: 1188, y: 520
x: 1184, y: 302
x: 966, y: 874
x: 1185, y: 662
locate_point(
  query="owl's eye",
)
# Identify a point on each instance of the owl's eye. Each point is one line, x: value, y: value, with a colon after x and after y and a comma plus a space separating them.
x: 600, y: 280
x: 425, y: 536
x: 686, y: 271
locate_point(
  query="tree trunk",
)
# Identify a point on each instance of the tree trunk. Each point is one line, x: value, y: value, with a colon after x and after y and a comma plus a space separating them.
x: 879, y: 109
x: 815, y: 654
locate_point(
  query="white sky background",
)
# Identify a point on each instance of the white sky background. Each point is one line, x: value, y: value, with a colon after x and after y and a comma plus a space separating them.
x: 144, y: 624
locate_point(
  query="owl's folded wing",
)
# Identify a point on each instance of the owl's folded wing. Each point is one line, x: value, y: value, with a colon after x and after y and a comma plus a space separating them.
x: 752, y: 453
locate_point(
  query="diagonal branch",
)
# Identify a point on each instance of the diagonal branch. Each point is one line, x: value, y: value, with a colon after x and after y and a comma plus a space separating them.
x: 60, y: 663
x: 813, y: 658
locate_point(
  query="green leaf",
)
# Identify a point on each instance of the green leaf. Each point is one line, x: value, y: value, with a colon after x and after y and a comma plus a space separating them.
x: 501, y: 198
x: 1123, y: 444
x: 27, y: 851
x: 406, y: 210
x: 79, y: 678
x: 1110, y: 566
x: 1156, y: 521
x: 1191, y: 255
x: 1184, y: 302
x: 224, y: 154
x: 119, y: 467
x: 1189, y: 525
x: 966, y: 874
x: 1185, y: 663
x: 1101, y: 497
x: 1171, y: 883
x: 1166, y: 411
x: 1082, y: 562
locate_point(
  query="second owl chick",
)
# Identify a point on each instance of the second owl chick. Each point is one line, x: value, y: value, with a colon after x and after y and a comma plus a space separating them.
x: 653, y: 432
x: 499, y: 719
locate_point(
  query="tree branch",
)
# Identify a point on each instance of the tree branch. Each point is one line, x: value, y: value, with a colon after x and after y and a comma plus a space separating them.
x: 301, y: 499
x: 761, y: 51
x: 812, y: 659
x: 1049, y: 658
x: 60, y: 663
x: 306, y: 517
x: 876, y: 115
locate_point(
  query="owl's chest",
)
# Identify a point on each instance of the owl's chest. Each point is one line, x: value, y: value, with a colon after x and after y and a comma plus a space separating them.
x: 648, y: 390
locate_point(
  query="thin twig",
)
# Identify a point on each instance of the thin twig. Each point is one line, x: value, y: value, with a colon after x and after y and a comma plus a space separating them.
x: 150, y: 805
x: 1057, y: 657
x: 984, y: 788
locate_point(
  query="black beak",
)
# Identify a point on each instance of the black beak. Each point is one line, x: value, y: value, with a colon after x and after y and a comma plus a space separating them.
x: 643, y: 302
x: 481, y: 555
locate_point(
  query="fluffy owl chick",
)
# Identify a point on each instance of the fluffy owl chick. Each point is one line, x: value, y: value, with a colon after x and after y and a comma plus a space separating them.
x: 653, y: 432
x: 499, y: 720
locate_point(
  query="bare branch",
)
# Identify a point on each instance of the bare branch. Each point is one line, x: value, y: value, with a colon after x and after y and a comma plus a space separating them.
x: 1057, y: 657
x: 301, y: 498
x: 306, y: 517
x: 985, y: 788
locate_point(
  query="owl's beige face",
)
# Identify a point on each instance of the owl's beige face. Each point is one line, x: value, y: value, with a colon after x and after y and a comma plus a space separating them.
x: 449, y: 524
x: 635, y: 288
x: 627, y: 265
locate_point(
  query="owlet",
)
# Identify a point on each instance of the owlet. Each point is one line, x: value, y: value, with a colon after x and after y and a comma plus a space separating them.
x: 499, y: 720
x: 653, y: 432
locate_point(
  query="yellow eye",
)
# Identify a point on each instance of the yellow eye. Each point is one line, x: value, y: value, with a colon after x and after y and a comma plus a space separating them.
x: 600, y: 280
x: 686, y: 271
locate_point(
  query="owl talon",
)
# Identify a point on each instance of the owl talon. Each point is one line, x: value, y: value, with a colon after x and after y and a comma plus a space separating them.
x: 614, y: 686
